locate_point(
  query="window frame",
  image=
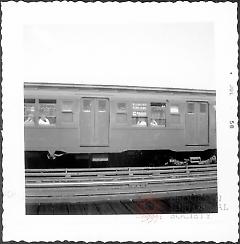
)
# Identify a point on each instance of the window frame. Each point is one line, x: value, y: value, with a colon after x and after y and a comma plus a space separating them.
x: 205, y: 107
x: 142, y: 104
x: 63, y: 111
x: 174, y: 105
x: 99, y: 108
x: 173, y: 116
x: 140, y: 126
x: 151, y: 117
x: 37, y: 111
x: 194, y: 107
x: 34, y: 125
x: 56, y: 111
x: 83, y: 105
x: 119, y: 111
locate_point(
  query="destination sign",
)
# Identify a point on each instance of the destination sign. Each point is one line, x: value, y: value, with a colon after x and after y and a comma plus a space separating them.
x: 139, y: 106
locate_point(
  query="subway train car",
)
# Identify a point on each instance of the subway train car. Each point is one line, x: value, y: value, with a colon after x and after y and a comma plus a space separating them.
x: 73, y: 125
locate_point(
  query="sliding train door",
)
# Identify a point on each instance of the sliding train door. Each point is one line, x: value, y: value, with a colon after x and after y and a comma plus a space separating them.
x: 94, y: 122
x: 197, y: 124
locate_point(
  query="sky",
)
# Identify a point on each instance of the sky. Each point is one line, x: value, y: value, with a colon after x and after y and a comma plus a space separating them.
x: 136, y: 53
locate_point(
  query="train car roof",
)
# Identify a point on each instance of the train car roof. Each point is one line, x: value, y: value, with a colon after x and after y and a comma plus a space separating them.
x: 116, y: 88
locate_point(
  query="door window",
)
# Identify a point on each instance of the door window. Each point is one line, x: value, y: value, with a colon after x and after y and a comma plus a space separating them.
x: 86, y: 105
x: 101, y: 105
x: 190, y: 108
x: 203, y: 107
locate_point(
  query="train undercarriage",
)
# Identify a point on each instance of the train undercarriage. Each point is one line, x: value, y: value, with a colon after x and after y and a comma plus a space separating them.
x: 140, y: 158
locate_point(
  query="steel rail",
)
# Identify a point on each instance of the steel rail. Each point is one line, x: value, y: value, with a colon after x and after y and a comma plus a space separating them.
x: 116, y: 182
x: 87, y: 191
x: 130, y: 171
x: 78, y: 186
x: 63, y: 198
x: 108, y: 179
x: 120, y: 168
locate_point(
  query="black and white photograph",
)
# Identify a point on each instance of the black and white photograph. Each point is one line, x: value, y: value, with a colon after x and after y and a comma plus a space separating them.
x: 111, y: 146
x: 125, y: 116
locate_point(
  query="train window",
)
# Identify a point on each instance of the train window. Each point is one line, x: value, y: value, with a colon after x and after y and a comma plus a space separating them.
x: 29, y: 100
x: 121, y: 106
x: 101, y: 105
x: 67, y: 111
x: 139, y: 114
x: 139, y: 121
x: 67, y: 117
x: 121, y: 118
x: 190, y: 108
x: 174, y: 114
x: 203, y: 107
x: 158, y: 104
x: 121, y: 115
x: 174, y: 109
x: 29, y: 112
x: 158, y: 115
x: 175, y: 118
x: 48, y: 101
x: 67, y: 106
x: 86, y: 105
x: 47, y: 112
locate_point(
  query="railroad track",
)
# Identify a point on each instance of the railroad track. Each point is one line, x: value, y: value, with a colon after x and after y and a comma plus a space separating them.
x: 90, y: 185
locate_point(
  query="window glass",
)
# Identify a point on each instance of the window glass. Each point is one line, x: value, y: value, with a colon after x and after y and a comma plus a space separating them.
x: 48, y: 101
x: 121, y: 118
x: 67, y: 111
x: 121, y: 106
x: 139, y: 121
x: 67, y: 106
x: 158, y: 104
x: 121, y: 114
x: 203, y: 107
x: 190, y: 108
x: 174, y: 109
x: 158, y: 122
x: 158, y: 114
x: 29, y: 112
x: 174, y: 114
x: 175, y: 118
x: 67, y: 117
x: 101, y: 105
x: 139, y: 114
x: 29, y: 100
x: 47, y: 112
x: 86, y: 105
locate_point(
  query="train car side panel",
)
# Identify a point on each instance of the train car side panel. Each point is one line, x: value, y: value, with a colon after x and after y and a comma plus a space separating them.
x: 109, y: 121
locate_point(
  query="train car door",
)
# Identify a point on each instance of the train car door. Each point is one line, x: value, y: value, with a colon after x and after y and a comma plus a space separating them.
x: 197, y: 126
x: 94, y: 122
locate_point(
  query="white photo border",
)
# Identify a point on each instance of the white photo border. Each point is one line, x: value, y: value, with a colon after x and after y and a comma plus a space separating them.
x: 218, y: 227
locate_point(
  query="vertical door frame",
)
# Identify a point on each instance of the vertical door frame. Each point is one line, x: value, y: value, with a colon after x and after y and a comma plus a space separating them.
x: 95, y: 110
x: 197, y: 119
